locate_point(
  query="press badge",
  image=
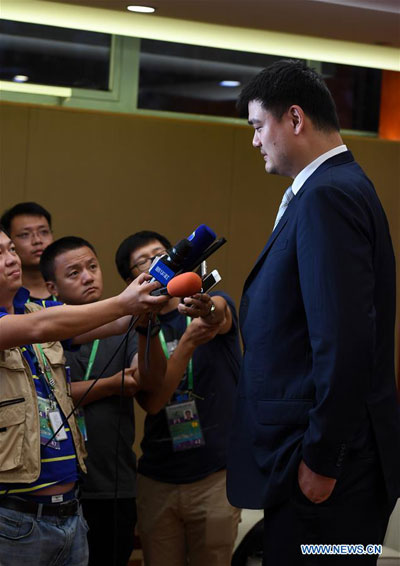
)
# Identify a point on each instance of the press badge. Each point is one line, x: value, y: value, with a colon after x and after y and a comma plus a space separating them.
x: 46, y: 430
x: 184, y: 426
x: 57, y: 424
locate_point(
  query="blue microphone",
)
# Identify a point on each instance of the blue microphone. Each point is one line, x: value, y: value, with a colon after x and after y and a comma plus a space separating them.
x: 183, y: 255
x: 200, y: 239
x: 165, y: 267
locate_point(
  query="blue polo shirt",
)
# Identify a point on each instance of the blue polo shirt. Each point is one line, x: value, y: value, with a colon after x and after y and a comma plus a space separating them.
x: 58, y: 459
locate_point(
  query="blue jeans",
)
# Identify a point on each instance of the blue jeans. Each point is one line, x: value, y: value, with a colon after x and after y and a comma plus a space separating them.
x: 27, y: 540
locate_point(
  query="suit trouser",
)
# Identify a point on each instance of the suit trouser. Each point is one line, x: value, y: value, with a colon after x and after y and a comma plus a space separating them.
x: 356, y: 513
x: 186, y: 523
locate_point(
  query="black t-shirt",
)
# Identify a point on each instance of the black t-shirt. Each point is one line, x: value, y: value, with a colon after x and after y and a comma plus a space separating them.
x: 102, y: 419
x: 216, y: 371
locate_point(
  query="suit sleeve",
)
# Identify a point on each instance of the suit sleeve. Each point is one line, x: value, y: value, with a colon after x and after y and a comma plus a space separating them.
x: 335, y: 261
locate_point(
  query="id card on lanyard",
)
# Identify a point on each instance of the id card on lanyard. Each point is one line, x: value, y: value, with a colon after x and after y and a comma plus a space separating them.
x: 80, y: 415
x: 182, y: 416
x: 51, y: 422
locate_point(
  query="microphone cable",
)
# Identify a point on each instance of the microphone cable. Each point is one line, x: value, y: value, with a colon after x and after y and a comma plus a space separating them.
x: 115, y: 502
x: 124, y: 342
x: 132, y: 323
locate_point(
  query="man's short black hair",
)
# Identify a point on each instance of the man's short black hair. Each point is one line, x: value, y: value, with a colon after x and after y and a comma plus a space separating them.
x: 288, y: 82
x: 2, y: 229
x: 132, y: 243
x: 57, y: 248
x: 32, y: 208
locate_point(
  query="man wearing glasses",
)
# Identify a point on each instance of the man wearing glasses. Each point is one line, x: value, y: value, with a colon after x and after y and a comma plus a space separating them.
x: 183, y: 512
x: 29, y: 226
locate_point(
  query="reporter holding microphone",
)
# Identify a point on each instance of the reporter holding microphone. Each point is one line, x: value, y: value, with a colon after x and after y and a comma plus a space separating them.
x: 40, y: 518
x: 183, y: 512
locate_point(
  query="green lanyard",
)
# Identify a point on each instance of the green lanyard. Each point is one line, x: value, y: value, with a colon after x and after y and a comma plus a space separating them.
x: 190, y: 364
x: 92, y: 357
x: 47, y: 369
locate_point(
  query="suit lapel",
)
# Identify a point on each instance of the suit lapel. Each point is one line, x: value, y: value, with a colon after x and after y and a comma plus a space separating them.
x: 340, y: 159
x: 287, y: 214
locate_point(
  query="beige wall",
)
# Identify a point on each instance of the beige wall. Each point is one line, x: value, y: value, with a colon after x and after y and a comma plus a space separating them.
x: 104, y: 176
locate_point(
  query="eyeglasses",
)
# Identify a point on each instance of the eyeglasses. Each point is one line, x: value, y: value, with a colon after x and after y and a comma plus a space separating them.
x: 144, y: 263
x: 40, y: 233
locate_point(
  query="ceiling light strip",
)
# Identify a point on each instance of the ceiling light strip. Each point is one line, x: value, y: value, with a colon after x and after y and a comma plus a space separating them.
x: 194, y: 33
x: 30, y: 88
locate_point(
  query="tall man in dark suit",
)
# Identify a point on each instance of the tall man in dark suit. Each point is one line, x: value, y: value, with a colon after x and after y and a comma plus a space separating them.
x: 316, y: 438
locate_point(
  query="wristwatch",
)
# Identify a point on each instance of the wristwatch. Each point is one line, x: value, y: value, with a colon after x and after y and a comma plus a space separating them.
x: 212, y: 309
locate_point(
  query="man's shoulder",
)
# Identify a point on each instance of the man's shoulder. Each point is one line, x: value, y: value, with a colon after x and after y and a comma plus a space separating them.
x: 341, y: 169
x: 338, y: 183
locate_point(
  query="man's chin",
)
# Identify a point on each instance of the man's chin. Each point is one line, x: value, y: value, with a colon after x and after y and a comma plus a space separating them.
x: 16, y: 285
x: 32, y: 264
x: 271, y: 169
x: 84, y: 299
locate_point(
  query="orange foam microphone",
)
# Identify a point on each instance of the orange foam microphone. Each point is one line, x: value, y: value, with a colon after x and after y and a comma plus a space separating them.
x: 184, y: 285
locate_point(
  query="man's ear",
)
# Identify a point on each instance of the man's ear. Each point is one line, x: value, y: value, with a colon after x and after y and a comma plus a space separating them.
x: 52, y: 288
x: 297, y: 118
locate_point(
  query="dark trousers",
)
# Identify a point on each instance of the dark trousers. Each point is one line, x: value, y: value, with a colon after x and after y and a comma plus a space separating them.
x: 111, y: 526
x: 356, y: 513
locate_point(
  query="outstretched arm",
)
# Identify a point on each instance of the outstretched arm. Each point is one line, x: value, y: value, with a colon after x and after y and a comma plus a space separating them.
x: 60, y: 323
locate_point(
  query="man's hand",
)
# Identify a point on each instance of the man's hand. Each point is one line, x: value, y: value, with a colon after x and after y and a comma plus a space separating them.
x: 199, y: 332
x: 84, y: 392
x: 136, y: 298
x: 197, y: 305
x: 130, y: 382
x: 214, y: 311
x: 315, y: 487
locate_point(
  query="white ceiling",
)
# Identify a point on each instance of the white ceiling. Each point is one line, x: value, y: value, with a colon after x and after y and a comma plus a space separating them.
x: 375, y: 22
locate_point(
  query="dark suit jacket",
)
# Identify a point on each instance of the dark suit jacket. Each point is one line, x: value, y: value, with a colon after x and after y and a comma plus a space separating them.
x: 317, y: 319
